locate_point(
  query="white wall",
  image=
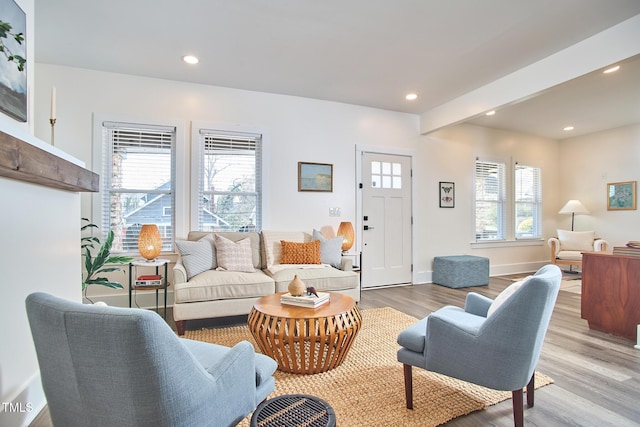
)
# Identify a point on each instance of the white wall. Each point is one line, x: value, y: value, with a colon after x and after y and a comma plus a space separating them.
x: 588, y: 164
x: 39, y: 251
x: 449, y: 155
x: 299, y: 129
x: 296, y: 129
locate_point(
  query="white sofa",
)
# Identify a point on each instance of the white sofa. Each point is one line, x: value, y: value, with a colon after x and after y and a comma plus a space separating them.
x: 202, y: 290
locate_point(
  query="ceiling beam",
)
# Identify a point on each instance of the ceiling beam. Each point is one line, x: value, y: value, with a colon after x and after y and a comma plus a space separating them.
x: 607, y: 47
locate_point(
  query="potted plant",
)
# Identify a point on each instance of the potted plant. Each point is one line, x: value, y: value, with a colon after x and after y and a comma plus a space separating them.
x: 102, y: 262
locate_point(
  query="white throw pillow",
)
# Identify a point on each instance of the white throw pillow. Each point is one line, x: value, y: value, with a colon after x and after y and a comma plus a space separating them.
x: 576, y: 240
x: 234, y: 256
x: 504, y: 295
x: 330, y: 249
x: 197, y: 256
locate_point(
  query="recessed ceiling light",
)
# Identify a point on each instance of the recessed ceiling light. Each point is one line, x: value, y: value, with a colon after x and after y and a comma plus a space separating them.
x: 190, y: 59
x: 411, y: 97
x: 490, y: 113
x: 568, y: 128
x: 611, y: 70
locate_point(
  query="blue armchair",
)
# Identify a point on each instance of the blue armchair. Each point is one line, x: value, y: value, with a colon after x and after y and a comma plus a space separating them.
x: 110, y: 366
x: 495, y: 344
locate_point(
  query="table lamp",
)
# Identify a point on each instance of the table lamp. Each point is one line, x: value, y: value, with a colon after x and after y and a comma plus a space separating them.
x: 345, y: 229
x: 149, y: 242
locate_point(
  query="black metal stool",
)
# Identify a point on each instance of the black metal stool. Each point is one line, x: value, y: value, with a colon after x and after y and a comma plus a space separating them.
x: 292, y: 410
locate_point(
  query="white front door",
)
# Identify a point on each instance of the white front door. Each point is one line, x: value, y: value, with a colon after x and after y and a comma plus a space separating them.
x: 386, y: 219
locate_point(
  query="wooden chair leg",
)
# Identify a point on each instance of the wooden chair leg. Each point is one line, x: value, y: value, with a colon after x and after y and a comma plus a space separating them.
x: 531, y: 390
x: 181, y: 326
x: 518, y: 410
x: 408, y: 385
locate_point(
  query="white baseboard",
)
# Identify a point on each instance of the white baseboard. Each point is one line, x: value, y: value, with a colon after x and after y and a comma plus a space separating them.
x: 21, y: 410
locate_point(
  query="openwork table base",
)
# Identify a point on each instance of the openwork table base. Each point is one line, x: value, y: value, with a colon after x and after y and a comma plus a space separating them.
x: 305, y: 340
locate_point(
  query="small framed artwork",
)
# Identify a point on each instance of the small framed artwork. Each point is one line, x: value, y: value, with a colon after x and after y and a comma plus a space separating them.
x: 315, y: 177
x: 447, y: 194
x: 621, y: 196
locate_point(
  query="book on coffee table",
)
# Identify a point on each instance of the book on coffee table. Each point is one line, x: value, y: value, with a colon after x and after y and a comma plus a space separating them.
x: 305, y: 300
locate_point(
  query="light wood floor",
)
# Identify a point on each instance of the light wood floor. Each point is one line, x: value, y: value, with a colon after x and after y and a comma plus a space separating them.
x: 597, y: 376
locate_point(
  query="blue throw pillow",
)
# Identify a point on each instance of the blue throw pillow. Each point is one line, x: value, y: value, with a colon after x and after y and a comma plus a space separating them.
x: 330, y: 249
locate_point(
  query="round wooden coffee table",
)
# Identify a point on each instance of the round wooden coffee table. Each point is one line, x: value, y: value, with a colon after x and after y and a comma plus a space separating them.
x: 305, y: 340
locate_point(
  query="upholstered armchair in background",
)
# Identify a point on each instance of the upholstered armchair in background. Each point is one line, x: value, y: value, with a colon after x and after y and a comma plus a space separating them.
x: 567, y: 247
x: 110, y: 366
x: 492, y: 343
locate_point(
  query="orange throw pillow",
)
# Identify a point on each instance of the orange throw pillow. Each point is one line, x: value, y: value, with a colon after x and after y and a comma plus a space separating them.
x: 300, y: 253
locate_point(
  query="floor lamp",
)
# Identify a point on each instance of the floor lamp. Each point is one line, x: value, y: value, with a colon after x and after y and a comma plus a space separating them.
x: 573, y: 207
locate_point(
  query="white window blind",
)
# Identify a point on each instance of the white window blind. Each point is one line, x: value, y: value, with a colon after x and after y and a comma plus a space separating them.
x: 138, y: 182
x: 489, y: 201
x: 528, y: 202
x: 230, y: 196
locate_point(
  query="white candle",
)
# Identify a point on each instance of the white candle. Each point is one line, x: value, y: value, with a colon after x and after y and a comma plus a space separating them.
x: 53, y: 103
x: 637, y: 346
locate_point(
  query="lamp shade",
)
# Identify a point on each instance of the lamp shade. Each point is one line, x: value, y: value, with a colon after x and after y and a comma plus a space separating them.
x: 345, y: 229
x: 574, y: 207
x: 149, y: 241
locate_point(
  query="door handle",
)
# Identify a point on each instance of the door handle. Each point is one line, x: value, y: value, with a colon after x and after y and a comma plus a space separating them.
x: 367, y: 227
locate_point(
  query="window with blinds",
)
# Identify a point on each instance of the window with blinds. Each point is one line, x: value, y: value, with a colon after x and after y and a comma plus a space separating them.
x: 229, y: 198
x: 489, y: 201
x: 528, y: 202
x: 138, y: 182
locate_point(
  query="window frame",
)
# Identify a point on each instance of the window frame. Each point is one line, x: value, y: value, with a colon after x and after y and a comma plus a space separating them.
x: 197, y: 128
x: 536, y: 203
x: 180, y: 185
x: 501, y: 204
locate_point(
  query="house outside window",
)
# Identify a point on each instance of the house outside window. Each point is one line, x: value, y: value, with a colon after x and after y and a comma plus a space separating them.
x: 230, y: 185
x: 138, y: 182
x: 490, y: 201
x: 528, y: 202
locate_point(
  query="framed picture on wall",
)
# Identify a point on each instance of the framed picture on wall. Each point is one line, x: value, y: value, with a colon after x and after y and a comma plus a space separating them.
x: 13, y: 85
x: 621, y: 196
x: 315, y: 177
x: 447, y: 194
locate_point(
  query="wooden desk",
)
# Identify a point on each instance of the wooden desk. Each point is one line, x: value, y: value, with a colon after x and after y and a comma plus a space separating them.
x: 611, y: 293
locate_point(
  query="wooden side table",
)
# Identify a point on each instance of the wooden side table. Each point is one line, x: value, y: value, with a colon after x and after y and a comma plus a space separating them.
x: 156, y: 263
x: 305, y: 340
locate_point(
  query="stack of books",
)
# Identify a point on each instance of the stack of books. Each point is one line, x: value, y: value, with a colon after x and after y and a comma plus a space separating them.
x: 149, y: 280
x: 305, y: 300
x: 631, y: 249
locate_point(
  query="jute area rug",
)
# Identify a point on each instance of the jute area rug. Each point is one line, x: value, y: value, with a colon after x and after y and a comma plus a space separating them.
x: 368, y: 388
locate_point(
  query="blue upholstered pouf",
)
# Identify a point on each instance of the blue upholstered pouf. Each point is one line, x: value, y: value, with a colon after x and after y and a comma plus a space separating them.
x: 460, y: 271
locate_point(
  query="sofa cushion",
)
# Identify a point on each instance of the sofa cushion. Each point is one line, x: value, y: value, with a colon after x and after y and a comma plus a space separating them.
x: 330, y: 249
x: 197, y: 256
x: 323, y: 278
x: 576, y: 240
x: 219, y: 285
x: 254, y: 237
x: 272, y: 248
x: 234, y: 256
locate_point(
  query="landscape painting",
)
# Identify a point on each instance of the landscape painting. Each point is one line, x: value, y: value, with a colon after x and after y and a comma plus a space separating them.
x: 13, y: 53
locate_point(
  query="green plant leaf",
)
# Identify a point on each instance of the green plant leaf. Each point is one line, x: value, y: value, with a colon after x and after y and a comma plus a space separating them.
x: 99, y: 263
x: 119, y: 259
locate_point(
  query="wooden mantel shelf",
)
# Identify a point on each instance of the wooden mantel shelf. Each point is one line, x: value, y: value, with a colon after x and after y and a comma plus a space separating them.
x: 26, y: 162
